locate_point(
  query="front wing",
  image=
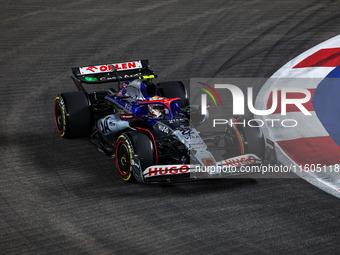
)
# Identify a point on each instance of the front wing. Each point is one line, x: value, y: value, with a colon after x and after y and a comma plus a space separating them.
x: 223, y: 169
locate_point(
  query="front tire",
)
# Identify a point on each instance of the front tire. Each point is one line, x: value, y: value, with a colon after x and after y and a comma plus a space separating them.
x: 252, y: 138
x: 124, y: 158
x: 245, y: 140
x: 135, y: 151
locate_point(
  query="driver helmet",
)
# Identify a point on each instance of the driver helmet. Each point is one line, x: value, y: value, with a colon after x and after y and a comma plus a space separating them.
x: 157, y: 110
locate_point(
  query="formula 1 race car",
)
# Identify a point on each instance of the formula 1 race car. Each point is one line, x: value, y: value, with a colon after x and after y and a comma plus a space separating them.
x: 148, y: 129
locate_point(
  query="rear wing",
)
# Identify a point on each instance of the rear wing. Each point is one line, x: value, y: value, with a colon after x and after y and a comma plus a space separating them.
x: 112, y: 72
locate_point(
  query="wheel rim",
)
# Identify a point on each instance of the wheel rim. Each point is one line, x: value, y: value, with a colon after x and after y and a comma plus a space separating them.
x: 58, y: 112
x: 122, y: 158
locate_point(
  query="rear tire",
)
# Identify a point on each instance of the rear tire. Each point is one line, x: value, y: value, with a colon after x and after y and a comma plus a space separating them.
x: 171, y: 89
x: 72, y: 114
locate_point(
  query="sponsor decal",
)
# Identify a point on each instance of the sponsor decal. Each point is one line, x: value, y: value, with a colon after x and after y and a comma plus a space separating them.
x: 166, y: 170
x: 241, y: 160
x: 110, y: 67
x: 209, y: 162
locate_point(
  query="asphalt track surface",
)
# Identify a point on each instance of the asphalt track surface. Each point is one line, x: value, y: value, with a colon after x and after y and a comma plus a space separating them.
x: 63, y: 197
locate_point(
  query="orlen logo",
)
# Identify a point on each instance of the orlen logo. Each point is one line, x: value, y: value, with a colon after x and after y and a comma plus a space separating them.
x: 158, y: 171
x: 241, y: 161
x: 92, y: 69
x: 110, y: 67
x: 107, y: 68
x: 239, y: 102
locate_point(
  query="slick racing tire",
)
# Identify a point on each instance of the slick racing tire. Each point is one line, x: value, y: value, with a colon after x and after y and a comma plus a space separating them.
x: 134, y: 152
x: 72, y: 114
x: 171, y: 89
x: 244, y: 140
x: 252, y: 139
